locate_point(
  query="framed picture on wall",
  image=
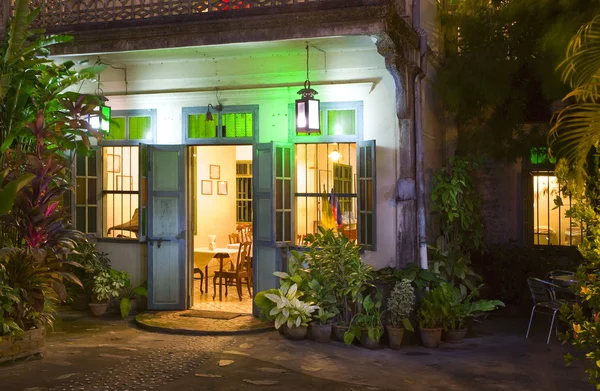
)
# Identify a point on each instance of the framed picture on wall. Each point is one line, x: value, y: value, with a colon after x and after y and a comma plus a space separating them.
x: 222, y: 188
x: 207, y: 188
x: 113, y: 163
x: 215, y: 172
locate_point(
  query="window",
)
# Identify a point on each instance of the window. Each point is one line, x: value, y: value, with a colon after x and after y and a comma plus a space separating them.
x: 243, y: 185
x: 86, y: 193
x: 230, y: 123
x: 551, y: 226
x: 340, y: 121
x: 121, y: 172
x: 321, y: 168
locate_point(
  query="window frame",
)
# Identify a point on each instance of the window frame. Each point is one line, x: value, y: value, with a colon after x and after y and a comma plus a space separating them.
x: 125, y: 143
x: 96, y: 150
x: 325, y: 137
x: 219, y: 140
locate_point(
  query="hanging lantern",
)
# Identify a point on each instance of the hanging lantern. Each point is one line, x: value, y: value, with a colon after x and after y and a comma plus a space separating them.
x: 308, y: 109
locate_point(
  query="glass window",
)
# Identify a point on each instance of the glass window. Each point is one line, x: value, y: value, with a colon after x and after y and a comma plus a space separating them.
x: 243, y: 192
x: 326, y: 188
x: 551, y: 226
x: 230, y: 123
x: 336, y: 119
x: 121, y: 191
x: 86, y: 193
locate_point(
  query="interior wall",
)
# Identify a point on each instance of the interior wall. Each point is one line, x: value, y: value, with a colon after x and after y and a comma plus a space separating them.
x: 215, y: 213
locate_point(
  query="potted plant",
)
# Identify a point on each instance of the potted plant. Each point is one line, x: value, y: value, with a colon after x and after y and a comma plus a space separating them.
x: 289, y: 311
x: 321, y: 328
x: 399, y: 305
x: 129, y: 297
x: 433, y: 308
x: 106, y: 285
x: 92, y: 262
x: 366, y: 325
x: 460, y: 310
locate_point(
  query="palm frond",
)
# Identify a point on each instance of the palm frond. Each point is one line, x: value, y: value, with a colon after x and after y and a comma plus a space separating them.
x: 582, y: 64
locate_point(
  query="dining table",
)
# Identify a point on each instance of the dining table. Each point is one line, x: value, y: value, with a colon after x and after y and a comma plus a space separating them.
x: 203, y: 256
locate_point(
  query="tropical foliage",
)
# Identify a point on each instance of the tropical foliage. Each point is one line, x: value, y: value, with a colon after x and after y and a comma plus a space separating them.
x: 367, y: 320
x: 401, y: 303
x: 498, y: 71
x: 457, y: 200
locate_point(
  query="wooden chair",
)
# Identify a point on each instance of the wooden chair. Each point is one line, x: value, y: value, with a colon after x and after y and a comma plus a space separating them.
x: 245, y: 232
x: 243, y: 269
x: 234, y: 238
x: 197, y: 270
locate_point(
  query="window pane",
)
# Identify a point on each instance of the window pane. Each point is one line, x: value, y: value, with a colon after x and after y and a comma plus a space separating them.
x: 237, y: 125
x: 80, y: 192
x: 199, y: 127
x: 80, y: 165
x: 551, y: 226
x: 341, y: 122
x: 80, y: 218
x: 117, y: 129
x: 91, y: 164
x: 91, y: 191
x: 140, y: 128
x: 121, y: 211
x: 91, y: 223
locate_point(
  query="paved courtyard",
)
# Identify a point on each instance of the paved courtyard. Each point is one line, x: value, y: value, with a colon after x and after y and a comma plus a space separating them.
x: 89, y: 354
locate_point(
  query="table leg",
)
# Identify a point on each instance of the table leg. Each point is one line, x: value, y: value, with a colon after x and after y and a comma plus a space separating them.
x: 221, y: 278
x: 206, y: 278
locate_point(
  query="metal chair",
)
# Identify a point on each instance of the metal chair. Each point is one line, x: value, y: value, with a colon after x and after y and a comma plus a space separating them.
x: 542, y: 293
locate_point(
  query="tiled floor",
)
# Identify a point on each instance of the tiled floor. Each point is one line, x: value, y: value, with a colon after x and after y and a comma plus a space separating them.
x: 230, y: 303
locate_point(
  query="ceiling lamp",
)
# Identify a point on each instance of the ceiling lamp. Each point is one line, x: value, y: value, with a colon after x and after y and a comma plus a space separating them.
x: 308, y: 108
x: 335, y: 155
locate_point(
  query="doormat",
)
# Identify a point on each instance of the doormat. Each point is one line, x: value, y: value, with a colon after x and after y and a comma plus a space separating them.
x: 210, y: 314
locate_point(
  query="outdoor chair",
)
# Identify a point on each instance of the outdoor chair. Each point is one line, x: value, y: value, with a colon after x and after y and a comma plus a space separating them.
x: 542, y: 293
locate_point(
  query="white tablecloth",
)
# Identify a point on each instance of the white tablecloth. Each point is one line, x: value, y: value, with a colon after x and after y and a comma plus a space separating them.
x: 203, y: 256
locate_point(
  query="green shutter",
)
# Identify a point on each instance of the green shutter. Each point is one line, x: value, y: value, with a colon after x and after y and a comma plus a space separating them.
x: 237, y: 125
x: 140, y: 128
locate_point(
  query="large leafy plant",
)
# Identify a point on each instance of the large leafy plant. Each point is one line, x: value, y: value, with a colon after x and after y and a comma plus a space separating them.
x: 287, y: 308
x: 335, y: 272
x: 457, y: 200
x: 107, y: 285
x: 367, y: 320
x: 9, y: 300
x: 435, y: 307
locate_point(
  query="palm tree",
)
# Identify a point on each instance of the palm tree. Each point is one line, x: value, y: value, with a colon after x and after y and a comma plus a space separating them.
x: 576, y: 129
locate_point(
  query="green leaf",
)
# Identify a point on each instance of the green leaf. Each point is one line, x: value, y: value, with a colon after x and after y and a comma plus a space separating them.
x: 125, y: 307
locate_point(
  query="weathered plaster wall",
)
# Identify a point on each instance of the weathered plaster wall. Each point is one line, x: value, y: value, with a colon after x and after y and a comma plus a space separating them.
x: 129, y: 256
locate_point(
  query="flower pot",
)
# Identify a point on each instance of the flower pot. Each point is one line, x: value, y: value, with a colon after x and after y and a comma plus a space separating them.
x: 454, y: 336
x: 431, y: 337
x: 338, y: 332
x: 282, y: 329
x: 98, y: 309
x: 296, y: 333
x: 320, y: 332
x: 80, y: 302
x: 366, y: 341
x: 395, y: 335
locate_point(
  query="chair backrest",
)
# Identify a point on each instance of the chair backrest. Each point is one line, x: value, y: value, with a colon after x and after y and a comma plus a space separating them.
x: 245, y: 232
x: 541, y: 291
x: 554, y: 273
x: 234, y: 238
x: 244, y: 257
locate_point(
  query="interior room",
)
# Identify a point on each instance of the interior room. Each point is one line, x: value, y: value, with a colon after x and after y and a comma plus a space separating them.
x: 551, y: 225
x: 222, y: 209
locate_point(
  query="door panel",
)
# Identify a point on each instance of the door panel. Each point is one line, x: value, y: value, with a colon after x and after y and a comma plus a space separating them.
x: 167, y: 273
x: 273, y: 165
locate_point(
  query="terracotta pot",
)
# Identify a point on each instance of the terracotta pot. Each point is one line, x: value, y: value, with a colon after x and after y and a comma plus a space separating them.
x: 98, y: 309
x: 454, y: 336
x: 338, y: 332
x: 395, y: 336
x: 296, y: 333
x: 320, y: 332
x: 431, y: 337
x: 366, y: 341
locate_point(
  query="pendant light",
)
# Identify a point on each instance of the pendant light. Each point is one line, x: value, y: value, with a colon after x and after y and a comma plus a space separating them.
x: 308, y: 109
x: 101, y: 121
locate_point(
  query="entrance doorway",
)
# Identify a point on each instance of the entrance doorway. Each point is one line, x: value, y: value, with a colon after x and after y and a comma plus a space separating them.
x: 221, y: 223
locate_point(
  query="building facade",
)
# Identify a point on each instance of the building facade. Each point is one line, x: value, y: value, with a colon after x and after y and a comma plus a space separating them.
x: 170, y: 174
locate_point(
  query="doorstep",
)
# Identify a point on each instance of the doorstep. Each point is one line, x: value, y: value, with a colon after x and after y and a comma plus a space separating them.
x: 179, y: 322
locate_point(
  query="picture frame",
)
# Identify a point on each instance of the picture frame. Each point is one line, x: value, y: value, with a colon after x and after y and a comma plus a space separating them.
x: 222, y: 187
x: 113, y: 163
x: 207, y: 188
x: 124, y: 182
x: 214, y: 171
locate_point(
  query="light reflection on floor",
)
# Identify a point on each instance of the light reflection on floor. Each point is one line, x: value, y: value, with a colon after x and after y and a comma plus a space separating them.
x: 230, y: 303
